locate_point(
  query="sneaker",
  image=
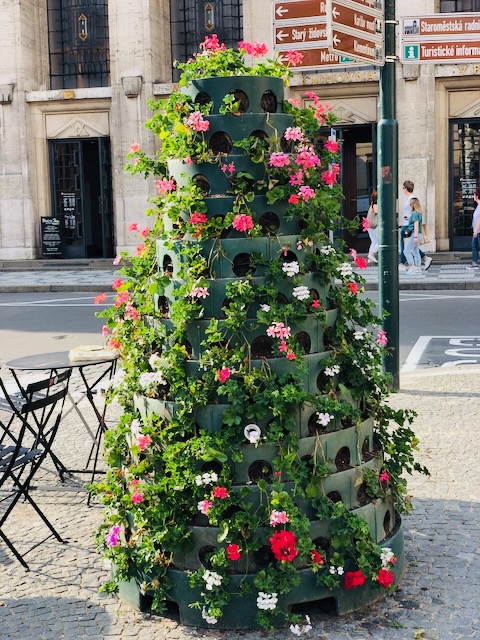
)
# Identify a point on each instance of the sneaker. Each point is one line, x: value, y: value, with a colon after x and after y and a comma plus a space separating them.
x: 474, y: 265
x: 427, y: 262
x: 413, y: 271
x: 403, y: 267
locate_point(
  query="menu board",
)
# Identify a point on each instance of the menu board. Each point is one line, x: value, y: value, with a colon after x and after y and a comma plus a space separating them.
x: 51, y: 237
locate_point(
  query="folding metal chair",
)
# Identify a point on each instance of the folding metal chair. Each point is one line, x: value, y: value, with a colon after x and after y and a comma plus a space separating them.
x: 24, y: 446
x: 37, y: 417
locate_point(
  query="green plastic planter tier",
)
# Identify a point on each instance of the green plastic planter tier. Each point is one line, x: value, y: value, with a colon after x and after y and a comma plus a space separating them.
x: 345, y: 449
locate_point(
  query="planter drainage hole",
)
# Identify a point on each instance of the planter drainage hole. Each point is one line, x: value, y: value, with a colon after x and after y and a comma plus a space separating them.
x: 270, y: 223
x: 326, y: 606
x: 282, y: 299
x: 366, y: 453
x: 289, y: 257
x: 241, y: 265
x: 263, y: 557
x: 167, y: 266
x: 323, y: 546
x: 260, y: 134
x: 221, y: 142
x: 260, y: 470
x: 202, y: 98
x: 188, y: 347
x: 212, y: 466
x: 322, y: 381
x: 387, y: 524
x: 262, y: 347
x: 163, y: 306
x: 242, y: 98
x: 202, y: 183
x: 269, y: 102
x: 342, y: 459
x: 304, y: 341
x: 286, y: 145
x: 334, y: 496
x: 203, y: 556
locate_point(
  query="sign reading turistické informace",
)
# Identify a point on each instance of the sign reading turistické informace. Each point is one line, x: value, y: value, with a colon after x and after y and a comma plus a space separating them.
x: 51, y: 237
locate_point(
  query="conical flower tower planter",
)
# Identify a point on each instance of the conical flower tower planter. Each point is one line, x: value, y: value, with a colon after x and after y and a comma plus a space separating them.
x: 247, y: 474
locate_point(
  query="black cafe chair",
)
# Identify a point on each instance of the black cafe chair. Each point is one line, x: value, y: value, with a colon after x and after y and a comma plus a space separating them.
x: 38, y: 417
x: 25, y: 442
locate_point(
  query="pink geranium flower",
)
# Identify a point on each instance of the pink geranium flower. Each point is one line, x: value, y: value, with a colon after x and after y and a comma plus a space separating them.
x: 134, y: 147
x: 293, y: 133
x: 353, y: 287
x: 199, y: 292
x: 329, y: 177
x: 254, y: 49
x: 112, y: 539
x: 133, y: 226
x: 296, y: 178
x: 100, y: 298
x: 294, y: 58
x: 143, y: 441
x: 138, y: 497
x: 279, y: 159
x: 278, y: 517
x: 212, y: 43
x: 197, y: 122
x: 291, y: 356
x: 294, y: 198
x: 145, y: 231
x: 198, y: 218
x: 308, y: 159
x: 114, y: 344
x: 242, y: 222
x: 221, y: 493
x: 165, y: 186
x: 332, y: 146
x: 365, y: 224
x: 223, y: 374
x: 307, y: 193
x: 140, y: 249
x: 204, y: 506
x: 382, y: 339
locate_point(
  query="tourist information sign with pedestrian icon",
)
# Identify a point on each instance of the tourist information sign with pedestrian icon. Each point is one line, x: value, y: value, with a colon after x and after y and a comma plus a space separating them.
x: 355, y: 28
x: 301, y: 25
x: 440, y: 38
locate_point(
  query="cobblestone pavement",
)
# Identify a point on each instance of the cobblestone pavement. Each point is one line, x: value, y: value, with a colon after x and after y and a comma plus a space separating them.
x: 439, y: 598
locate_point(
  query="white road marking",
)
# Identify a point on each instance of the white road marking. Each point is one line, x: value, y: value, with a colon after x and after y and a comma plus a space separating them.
x: 58, y: 302
x: 422, y: 343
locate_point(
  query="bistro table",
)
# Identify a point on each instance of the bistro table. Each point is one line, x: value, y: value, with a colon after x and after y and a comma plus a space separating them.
x: 60, y: 360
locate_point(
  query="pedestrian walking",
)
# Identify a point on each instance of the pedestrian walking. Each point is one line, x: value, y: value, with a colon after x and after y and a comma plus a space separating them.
x: 413, y: 235
x: 408, y: 188
x: 475, y: 230
x: 372, y: 218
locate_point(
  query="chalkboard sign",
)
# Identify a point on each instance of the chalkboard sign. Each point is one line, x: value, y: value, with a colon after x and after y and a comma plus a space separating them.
x: 51, y: 237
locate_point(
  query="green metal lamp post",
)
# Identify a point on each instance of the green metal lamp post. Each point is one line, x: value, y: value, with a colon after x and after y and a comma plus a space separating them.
x: 387, y: 168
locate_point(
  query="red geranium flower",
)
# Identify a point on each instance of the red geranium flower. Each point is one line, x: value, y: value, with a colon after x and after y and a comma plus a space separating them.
x: 233, y: 552
x: 353, y: 287
x: 220, y: 492
x: 317, y: 557
x: 385, y: 578
x: 354, y: 579
x: 284, y: 546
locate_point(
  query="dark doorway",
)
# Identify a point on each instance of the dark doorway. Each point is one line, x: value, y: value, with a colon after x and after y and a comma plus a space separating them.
x: 358, y: 177
x: 464, y: 179
x: 81, y: 196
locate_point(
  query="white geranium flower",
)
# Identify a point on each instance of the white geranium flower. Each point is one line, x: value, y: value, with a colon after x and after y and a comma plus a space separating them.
x: 206, y: 478
x: 327, y: 250
x: 265, y: 307
x: 359, y: 334
x: 291, y: 268
x: 267, y: 601
x: 207, y: 617
x: 135, y: 428
x: 332, y: 371
x: 345, y: 269
x: 324, y: 418
x: 301, y: 293
x: 212, y: 579
x: 252, y: 433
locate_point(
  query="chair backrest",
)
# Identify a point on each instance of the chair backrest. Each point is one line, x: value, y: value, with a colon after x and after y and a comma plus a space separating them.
x: 40, y: 407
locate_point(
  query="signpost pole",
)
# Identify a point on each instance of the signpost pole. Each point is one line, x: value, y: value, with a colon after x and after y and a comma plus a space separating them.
x: 387, y: 168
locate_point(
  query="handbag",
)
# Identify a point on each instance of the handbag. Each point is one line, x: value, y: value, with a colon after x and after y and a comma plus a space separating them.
x: 407, y: 233
x: 372, y: 218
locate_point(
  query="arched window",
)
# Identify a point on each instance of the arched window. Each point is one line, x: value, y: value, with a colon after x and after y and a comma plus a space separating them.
x: 454, y: 6
x: 78, y: 43
x: 192, y: 20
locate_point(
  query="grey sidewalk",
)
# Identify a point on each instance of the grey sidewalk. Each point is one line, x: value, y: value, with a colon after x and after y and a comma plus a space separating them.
x: 440, y: 594
x: 439, y: 276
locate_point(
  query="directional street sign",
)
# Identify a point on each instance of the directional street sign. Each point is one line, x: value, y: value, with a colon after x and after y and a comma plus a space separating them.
x: 298, y: 10
x: 447, y: 38
x: 319, y: 59
x: 355, y: 28
x: 302, y: 25
x: 292, y: 36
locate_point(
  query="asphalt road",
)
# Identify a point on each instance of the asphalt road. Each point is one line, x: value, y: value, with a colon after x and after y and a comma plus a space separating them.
x: 436, y: 327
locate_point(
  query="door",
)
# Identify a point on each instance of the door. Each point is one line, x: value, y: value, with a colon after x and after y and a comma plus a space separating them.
x: 81, y: 196
x: 358, y: 178
x: 464, y: 179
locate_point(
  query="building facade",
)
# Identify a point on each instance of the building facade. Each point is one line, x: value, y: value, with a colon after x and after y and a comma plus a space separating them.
x: 76, y: 76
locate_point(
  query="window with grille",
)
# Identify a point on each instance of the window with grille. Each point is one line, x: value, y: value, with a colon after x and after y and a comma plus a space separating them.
x: 192, y: 20
x: 78, y: 43
x: 454, y: 6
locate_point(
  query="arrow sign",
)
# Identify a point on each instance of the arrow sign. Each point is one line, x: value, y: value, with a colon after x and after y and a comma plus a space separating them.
x: 347, y: 44
x: 364, y: 22
x: 291, y: 11
x: 300, y: 36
